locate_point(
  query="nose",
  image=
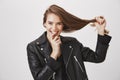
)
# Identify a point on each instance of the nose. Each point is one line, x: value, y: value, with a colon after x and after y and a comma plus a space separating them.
x: 54, y: 28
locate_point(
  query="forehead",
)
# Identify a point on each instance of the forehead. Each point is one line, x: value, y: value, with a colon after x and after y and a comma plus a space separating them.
x: 53, y: 18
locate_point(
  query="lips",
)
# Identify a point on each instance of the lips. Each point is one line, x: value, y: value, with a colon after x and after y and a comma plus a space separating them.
x: 54, y: 33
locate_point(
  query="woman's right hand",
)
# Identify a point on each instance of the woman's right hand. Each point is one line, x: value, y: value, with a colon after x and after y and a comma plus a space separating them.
x: 55, y: 43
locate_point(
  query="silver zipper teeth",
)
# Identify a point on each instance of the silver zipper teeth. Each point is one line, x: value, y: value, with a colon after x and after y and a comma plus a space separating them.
x: 78, y: 63
x: 69, y: 56
x: 67, y: 63
x: 68, y: 75
x: 50, y: 77
x: 54, y: 76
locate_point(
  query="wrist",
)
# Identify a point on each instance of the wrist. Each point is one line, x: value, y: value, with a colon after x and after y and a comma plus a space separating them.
x: 53, y: 56
x: 101, y: 32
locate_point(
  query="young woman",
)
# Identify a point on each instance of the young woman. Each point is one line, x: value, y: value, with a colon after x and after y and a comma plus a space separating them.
x: 54, y: 57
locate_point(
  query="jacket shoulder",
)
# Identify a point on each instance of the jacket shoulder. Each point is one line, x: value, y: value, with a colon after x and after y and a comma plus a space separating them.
x: 33, y: 42
x: 68, y: 39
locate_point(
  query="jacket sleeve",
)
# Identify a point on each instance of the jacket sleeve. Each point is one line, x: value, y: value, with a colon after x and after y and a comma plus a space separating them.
x: 39, y: 71
x: 101, y: 49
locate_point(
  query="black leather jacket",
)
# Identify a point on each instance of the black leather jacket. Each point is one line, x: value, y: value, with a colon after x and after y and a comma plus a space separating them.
x: 73, y: 52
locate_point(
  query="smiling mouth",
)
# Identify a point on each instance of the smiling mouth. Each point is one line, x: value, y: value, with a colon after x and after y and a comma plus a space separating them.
x: 54, y: 33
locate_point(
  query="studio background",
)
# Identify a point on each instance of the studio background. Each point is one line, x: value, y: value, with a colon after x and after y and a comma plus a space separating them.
x: 21, y: 23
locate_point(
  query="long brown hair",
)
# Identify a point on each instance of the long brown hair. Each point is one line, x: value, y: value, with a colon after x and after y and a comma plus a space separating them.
x: 70, y: 22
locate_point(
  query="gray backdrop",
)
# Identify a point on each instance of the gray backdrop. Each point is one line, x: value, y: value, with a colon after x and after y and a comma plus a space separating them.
x: 21, y: 23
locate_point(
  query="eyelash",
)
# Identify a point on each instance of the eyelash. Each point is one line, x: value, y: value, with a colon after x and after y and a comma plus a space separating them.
x: 50, y: 23
x: 57, y: 23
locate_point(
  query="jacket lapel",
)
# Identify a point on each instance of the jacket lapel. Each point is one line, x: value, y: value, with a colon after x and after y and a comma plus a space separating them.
x: 45, y: 49
x: 43, y: 45
x: 67, y: 51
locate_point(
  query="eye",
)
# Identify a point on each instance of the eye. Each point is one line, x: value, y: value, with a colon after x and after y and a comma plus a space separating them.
x: 60, y: 23
x: 50, y: 23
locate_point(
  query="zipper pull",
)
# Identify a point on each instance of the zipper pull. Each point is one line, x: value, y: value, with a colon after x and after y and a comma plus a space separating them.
x: 78, y: 63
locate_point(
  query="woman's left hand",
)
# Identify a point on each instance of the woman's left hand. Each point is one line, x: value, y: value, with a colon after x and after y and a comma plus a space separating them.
x: 100, y: 25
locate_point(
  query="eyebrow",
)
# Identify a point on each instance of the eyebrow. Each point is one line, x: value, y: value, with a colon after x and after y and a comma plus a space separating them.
x: 52, y: 22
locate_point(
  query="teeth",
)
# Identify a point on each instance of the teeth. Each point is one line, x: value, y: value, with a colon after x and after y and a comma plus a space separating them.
x: 54, y: 32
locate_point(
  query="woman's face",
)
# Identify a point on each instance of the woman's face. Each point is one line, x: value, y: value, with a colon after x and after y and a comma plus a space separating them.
x: 53, y: 25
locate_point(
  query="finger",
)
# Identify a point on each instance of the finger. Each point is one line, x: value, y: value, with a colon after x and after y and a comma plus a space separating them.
x: 100, y: 19
x: 104, y: 23
x: 103, y: 20
x: 58, y: 41
x: 53, y: 36
x: 56, y: 38
x: 106, y: 31
x: 97, y: 20
x: 92, y: 24
x: 96, y: 24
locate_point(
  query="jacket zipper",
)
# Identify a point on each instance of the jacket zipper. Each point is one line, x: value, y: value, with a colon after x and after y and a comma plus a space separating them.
x: 78, y: 63
x: 68, y: 61
x: 50, y: 77
x: 54, y: 76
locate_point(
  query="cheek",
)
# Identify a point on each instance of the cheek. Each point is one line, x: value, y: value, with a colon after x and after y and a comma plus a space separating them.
x: 47, y: 27
x: 61, y: 28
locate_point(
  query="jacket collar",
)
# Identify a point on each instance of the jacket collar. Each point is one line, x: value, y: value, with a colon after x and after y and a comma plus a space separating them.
x: 44, y: 44
x: 45, y: 47
x: 42, y: 39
